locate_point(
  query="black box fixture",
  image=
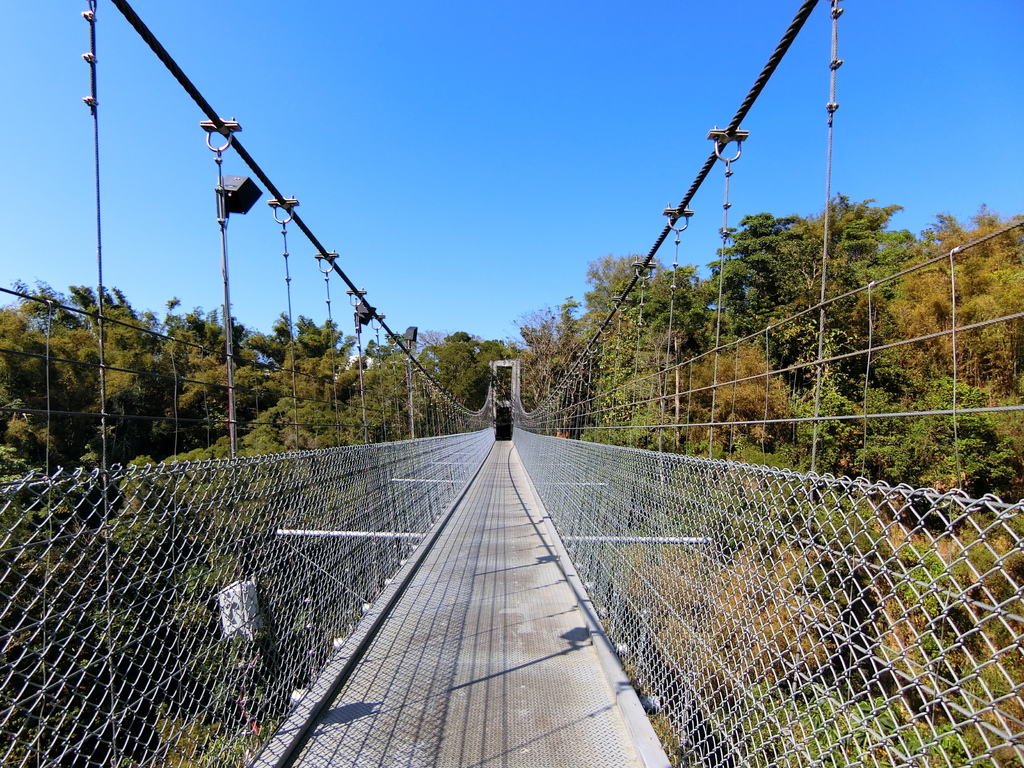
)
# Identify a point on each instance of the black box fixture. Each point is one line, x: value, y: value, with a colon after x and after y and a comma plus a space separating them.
x: 242, y: 193
x: 364, y: 313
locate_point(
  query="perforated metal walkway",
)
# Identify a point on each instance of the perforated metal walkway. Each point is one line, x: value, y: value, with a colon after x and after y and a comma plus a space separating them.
x: 486, y: 660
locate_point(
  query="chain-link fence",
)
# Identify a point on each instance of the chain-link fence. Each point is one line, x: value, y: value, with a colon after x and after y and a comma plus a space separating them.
x: 168, y: 615
x: 771, y: 618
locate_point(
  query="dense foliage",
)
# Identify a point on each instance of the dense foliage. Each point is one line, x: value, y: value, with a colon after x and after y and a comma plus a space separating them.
x: 886, y: 344
x: 166, y: 394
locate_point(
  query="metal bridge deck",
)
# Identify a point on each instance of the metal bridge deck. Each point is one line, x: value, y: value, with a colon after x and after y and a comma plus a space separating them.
x: 486, y: 660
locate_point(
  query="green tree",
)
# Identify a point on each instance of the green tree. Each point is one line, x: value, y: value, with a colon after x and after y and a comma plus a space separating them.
x: 552, y: 343
x: 461, y: 364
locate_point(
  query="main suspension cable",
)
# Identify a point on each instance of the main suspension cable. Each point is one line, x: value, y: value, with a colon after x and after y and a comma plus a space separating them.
x: 767, y: 71
x: 176, y: 71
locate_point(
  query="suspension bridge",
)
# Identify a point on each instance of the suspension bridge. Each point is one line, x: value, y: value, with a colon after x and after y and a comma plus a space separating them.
x: 592, y: 573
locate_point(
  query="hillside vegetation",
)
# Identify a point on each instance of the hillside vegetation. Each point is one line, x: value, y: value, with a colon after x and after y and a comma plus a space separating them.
x: 887, y: 349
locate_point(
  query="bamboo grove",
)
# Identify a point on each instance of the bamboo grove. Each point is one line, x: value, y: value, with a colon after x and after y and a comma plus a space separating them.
x: 297, y: 387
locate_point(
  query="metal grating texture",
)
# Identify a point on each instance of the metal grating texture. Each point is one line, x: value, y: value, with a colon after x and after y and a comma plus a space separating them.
x: 486, y: 660
x: 770, y: 618
x: 168, y: 615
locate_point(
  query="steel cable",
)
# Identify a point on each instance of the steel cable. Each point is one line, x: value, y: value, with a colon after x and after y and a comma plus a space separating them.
x: 172, y: 66
x: 769, y: 68
x: 887, y: 279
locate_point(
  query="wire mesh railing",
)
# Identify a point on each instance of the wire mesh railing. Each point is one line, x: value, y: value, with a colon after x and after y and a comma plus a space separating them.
x: 171, y: 614
x: 773, y: 618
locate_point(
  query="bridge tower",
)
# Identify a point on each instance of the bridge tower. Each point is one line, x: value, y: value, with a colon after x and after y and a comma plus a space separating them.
x: 505, y: 392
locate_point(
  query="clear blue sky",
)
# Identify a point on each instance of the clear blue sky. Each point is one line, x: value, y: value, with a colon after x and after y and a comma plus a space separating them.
x: 468, y: 159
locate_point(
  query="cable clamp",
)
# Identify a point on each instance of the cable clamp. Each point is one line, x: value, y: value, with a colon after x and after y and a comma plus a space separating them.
x: 287, y: 204
x: 674, y: 213
x: 90, y: 101
x: 89, y: 57
x: 227, y: 128
x: 722, y: 138
x: 329, y: 258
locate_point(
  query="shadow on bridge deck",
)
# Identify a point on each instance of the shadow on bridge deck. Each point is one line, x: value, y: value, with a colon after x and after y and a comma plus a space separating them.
x: 486, y: 658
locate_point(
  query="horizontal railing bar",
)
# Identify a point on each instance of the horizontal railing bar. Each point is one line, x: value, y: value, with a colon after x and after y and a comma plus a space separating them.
x: 639, y: 539
x: 350, y: 534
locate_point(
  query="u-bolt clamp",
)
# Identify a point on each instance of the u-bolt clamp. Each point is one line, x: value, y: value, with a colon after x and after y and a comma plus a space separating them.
x: 227, y: 128
x: 643, y: 270
x: 288, y: 203
x: 325, y: 258
x: 723, y: 137
x: 674, y: 215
